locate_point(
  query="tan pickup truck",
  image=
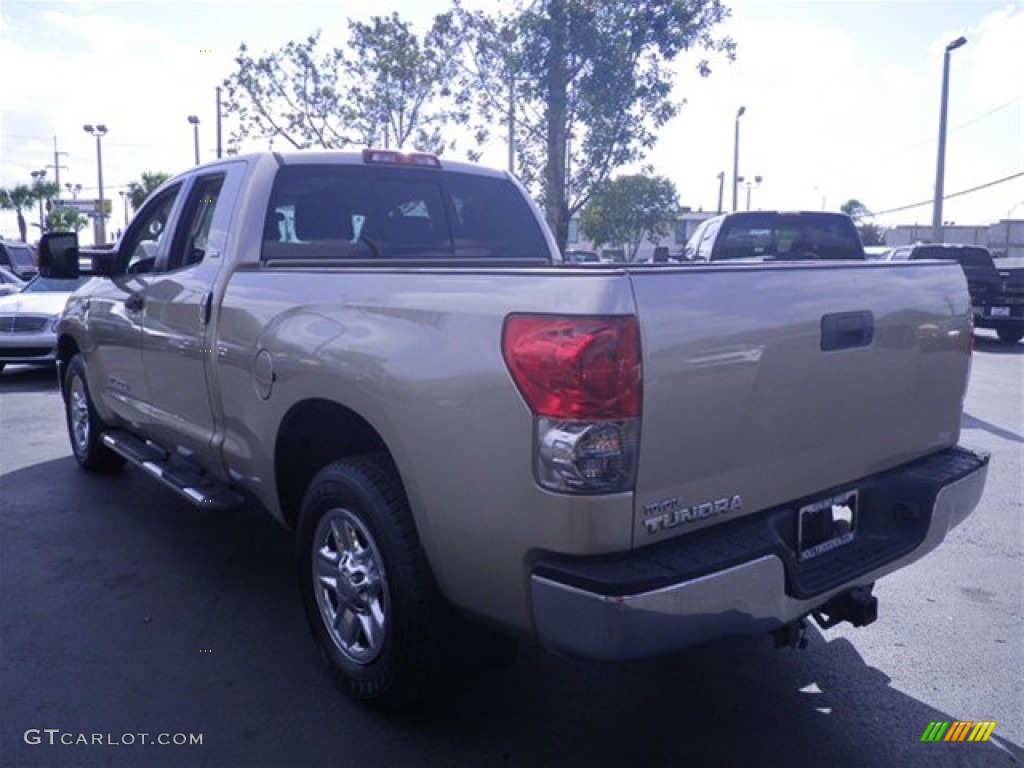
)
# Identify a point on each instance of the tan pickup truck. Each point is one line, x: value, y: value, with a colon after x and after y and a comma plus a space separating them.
x: 387, y: 353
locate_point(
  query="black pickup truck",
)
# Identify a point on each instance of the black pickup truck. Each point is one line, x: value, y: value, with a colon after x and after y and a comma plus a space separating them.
x: 996, y: 288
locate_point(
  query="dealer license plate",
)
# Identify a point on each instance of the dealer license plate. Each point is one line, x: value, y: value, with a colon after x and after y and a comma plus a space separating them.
x: 999, y: 312
x: 827, y: 524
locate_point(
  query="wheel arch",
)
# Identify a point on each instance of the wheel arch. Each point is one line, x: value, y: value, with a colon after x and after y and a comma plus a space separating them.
x: 313, y: 434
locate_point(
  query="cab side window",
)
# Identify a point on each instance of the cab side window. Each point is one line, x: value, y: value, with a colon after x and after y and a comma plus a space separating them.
x: 707, y: 240
x: 190, y: 244
x: 690, y: 249
x: 142, y: 241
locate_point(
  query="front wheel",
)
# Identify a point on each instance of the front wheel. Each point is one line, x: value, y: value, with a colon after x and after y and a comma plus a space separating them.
x: 366, y: 586
x: 1010, y: 336
x: 85, y: 427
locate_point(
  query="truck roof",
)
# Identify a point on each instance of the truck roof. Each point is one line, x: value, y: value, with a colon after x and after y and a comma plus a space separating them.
x: 350, y: 157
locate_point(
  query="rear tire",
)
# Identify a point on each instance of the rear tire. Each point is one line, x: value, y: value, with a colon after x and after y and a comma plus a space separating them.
x: 369, y: 596
x: 85, y: 427
x: 1008, y: 336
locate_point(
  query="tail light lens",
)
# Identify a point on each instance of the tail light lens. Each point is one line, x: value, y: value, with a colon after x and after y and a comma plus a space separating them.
x: 580, y: 376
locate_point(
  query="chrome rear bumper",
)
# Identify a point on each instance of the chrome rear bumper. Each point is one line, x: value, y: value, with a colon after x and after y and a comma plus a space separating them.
x: 748, y: 597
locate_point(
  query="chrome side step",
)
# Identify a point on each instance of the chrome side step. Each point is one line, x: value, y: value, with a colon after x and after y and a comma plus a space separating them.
x: 187, y: 481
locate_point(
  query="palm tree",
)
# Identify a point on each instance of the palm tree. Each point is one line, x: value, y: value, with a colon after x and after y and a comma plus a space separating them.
x: 138, y: 191
x: 45, y: 192
x: 66, y: 220
x: 17, y: 199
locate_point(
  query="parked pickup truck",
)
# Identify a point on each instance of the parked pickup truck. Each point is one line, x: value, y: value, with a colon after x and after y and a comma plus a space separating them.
x: 997, y: 293
x: 760, y: 236
x: 385, y: 351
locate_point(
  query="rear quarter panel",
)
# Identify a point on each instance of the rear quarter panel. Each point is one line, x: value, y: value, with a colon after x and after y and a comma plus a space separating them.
x: 417, y: 354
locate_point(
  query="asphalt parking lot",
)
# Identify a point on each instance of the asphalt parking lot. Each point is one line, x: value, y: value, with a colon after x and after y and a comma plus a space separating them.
x: 132, y: 623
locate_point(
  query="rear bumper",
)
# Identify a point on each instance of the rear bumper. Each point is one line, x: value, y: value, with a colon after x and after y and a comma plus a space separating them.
x: 995, y: 314
x: 696, y: 588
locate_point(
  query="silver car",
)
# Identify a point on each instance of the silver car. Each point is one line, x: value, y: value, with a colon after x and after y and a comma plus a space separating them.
x: 9, y: 282
x: 28, y: 320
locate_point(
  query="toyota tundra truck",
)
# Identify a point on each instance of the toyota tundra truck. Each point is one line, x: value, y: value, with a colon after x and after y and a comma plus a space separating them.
x: 471, y: 440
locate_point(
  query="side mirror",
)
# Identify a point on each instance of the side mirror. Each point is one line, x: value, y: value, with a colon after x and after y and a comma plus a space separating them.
x: 661, y: 255
x: 58, y: 255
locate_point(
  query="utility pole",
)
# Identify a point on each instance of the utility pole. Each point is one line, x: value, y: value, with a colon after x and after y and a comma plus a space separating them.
x: 940, y: 169
x: 721, y: 189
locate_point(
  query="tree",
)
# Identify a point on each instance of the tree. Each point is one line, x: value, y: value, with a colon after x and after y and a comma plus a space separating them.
x: 66, y: 220
x: 139, y: 190
x: 292, y: 94
x: 589, y: 84
x: 386, y: 86
x: 870, y: 233
x: 406, y: 88
x: 17, y: 199
x: 629, y: 210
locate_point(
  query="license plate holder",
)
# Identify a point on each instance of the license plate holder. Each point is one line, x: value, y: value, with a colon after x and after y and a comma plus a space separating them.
x: 824, y: 525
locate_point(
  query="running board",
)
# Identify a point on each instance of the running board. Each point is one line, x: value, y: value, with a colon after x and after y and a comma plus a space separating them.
x: 185, y: 480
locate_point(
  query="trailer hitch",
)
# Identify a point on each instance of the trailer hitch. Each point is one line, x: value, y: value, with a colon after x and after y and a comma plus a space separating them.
x: 858, y: 606
x: 792, y: 635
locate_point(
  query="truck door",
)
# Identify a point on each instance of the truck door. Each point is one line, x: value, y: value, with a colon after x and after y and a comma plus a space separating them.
x: 177, y: 339
x: 115, y: 314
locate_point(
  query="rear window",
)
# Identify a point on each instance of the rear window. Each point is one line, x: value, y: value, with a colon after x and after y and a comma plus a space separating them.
x: 358, y: 212
x: 770, y: 235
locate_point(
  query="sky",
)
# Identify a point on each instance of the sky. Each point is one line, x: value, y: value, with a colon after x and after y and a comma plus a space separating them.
x: 841, y: 97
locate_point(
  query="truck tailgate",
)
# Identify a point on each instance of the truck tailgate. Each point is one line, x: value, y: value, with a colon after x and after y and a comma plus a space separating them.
x: 764, y: 384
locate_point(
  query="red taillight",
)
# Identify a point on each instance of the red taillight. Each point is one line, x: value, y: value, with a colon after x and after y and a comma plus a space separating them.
x: 569, y: 367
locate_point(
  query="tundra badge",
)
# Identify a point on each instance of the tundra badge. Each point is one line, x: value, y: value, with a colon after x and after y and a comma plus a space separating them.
x: 669, y: 513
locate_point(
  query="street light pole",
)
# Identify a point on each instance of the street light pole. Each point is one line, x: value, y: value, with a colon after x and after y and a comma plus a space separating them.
x: 125, y: 198
x: 736, y: 160
x: 99, y: 131
x: 721, y: 188
x: 56, y: 162
x: 940, y: 166
x: 195, y: 134
x: 750, y: 185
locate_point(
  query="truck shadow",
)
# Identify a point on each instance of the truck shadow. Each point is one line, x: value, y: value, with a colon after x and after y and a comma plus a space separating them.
x: 970, y: 422
x: 26, y: 378
x: 126, y: 610
x: 737, y: 702
x: 991, y: 345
